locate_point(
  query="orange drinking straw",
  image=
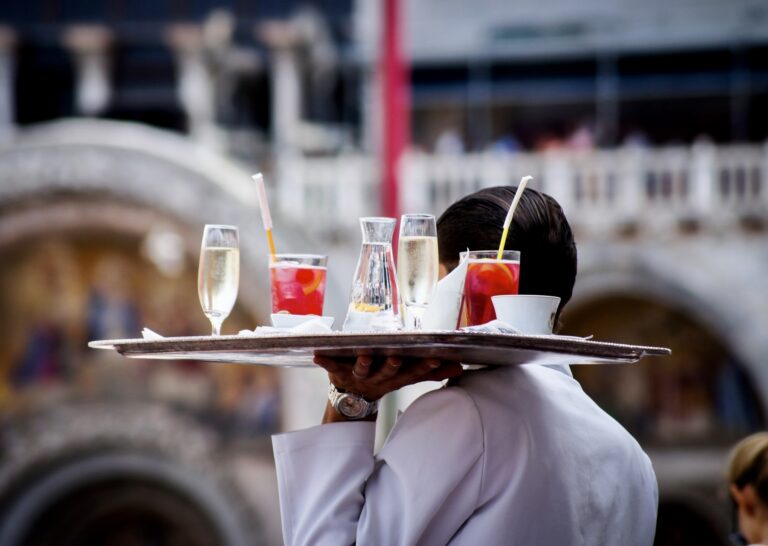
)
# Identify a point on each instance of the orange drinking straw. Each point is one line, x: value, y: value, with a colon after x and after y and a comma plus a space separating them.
x: 266, y: 217
x: 512, y: 207
x: 271, y: 243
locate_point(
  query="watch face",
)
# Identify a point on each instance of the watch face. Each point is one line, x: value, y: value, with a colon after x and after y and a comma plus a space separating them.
x: 351, y: 406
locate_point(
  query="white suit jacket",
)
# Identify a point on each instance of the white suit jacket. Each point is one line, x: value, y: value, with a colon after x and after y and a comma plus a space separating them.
x: 515, y: 455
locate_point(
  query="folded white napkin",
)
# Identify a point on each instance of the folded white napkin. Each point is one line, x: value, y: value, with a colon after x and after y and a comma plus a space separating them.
x: 495, y: 326
x: 500, y: 327
x: 312, y: 326
x: 443, y: 312
x: 146, y: 333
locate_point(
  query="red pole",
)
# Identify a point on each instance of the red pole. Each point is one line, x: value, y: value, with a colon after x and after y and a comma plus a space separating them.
x: 396, y: 114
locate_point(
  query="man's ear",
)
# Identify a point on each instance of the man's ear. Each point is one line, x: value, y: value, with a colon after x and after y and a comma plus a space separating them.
x: 746, y: 498
x: 736, y: 494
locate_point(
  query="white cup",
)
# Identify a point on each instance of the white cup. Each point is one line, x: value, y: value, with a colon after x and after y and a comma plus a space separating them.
x: 285, y: 320
x: 527, y: 313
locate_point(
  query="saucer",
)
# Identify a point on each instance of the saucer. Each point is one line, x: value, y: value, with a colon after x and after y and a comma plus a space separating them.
x: 286, y: 320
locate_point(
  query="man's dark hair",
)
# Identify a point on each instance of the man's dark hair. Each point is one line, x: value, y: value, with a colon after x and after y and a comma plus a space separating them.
x: 539, y: 231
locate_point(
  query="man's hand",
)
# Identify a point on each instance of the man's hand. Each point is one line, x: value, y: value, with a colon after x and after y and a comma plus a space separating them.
x: 372, y: 378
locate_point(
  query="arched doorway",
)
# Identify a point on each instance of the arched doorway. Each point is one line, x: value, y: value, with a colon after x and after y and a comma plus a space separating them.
x: 701, y: 395
x: 700, y: 296
x: 100, y: 226
x: 686, y: 410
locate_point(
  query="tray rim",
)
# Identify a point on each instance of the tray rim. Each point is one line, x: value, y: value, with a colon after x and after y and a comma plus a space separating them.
x: 287, y: 342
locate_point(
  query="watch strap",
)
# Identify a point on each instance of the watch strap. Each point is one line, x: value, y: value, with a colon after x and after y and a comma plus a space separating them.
x: 350, y: 405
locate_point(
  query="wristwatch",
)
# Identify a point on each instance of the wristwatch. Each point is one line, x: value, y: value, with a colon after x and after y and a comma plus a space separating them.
x: 350, y: 405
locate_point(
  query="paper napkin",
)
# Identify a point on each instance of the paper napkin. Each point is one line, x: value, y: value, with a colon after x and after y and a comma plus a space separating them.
x: 443, y: 312
x: 312, y: 326
x: 146, y: 333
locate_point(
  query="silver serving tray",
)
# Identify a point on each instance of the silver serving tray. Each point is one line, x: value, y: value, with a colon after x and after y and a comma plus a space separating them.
x: 297, y: 350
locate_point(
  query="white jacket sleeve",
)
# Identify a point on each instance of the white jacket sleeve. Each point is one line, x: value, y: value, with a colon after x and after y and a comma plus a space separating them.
x: 420, y: 489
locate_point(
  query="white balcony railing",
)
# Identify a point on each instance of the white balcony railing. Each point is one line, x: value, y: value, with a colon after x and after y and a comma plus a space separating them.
x: 601, y: 191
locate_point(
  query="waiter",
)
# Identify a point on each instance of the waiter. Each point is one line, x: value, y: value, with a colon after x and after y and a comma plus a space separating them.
x: 505, y: 455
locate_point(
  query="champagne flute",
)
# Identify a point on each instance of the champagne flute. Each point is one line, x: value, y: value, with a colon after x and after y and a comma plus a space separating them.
x: 218, y: 275
x: 417, y: 265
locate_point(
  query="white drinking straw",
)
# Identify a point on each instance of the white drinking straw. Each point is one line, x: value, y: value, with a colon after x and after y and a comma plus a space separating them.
x: 266, y: 217
x: 508, y: 220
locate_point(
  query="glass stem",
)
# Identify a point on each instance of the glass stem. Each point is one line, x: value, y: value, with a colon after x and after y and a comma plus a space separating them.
x: 413, y: 315
x: 216, y: 327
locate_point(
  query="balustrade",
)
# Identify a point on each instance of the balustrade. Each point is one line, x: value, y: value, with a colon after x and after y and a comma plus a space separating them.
x: 603, y: 192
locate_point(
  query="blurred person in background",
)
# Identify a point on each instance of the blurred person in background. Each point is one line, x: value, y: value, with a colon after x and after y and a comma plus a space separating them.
x: 450, y: 142
x: 748, y: 484
x: 112, y: 313
x: 49, y: 286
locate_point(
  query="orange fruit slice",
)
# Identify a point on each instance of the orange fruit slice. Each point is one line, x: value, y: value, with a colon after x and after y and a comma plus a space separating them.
x: 491, y: 268
x: 309, y: 279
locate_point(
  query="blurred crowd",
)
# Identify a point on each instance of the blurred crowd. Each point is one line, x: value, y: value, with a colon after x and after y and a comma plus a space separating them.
x: 60, y: 294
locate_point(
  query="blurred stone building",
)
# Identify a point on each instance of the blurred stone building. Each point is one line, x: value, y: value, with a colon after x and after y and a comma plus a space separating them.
x: 121, y: 124
x: 126, y: 126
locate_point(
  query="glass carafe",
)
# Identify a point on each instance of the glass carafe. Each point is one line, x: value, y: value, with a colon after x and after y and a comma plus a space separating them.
x: 374, y: 304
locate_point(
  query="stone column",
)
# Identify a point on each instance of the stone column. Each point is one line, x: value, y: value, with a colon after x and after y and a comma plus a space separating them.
x: 739, y: 95
x: 703, y: 183
x: 479, y: 105
x: 283, y: 39
x: 367, y: 34
x: 89, y: 45
x: 228, y: 63
x: 370, y: 98
x: 195, y: 84
x: 607, y: 100
x: 7, y: 72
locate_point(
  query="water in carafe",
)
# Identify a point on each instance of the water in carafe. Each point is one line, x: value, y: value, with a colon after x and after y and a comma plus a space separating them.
x: 374, y: 304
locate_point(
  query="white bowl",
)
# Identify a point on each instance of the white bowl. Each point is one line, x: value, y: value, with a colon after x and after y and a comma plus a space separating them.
x: 527, y: 313
x: 285, y: 320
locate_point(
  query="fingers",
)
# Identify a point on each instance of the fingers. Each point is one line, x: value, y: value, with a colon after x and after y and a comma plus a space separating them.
x: 329, y: 364
x: 362, y: 367
x: 430, y: 369
x: 334, y: 364
x: 388, y: 369
x: 374, y: 377
x: 447, y: 370
x: 397, y: 372
x: 425, y: 366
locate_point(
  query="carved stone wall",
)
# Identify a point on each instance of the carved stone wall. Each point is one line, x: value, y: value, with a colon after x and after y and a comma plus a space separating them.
x: 130, y: 177
x: 721, y: 282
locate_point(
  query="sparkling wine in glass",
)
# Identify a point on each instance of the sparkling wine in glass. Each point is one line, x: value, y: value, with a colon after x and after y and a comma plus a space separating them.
x: 218, y: 275
x: 417, y: 265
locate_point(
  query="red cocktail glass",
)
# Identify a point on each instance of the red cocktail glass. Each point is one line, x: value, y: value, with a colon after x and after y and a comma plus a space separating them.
x: 486, y: 277
x: 298, y: 283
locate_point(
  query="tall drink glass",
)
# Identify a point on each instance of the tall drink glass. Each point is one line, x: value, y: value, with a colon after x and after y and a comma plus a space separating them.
x: 218, y: 274
x: 417, y: 265
x: 298, y: 283
x: 486, y: 277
